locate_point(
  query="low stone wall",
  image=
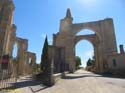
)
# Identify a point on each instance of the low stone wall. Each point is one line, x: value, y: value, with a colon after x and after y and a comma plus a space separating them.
x: 118, y: 72
x: 59, y: 76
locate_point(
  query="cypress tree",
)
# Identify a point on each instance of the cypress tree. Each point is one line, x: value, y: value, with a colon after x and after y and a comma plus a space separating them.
x: 44, y: 56
x: 46, y: 66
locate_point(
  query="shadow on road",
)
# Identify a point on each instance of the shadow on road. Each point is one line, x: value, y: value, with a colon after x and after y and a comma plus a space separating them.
x: 35, y: 86
x: 27, y: 83
x: 81, y: 76
x: 31, y: 84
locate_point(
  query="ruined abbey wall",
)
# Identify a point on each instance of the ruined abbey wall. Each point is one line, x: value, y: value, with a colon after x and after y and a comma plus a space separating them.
x: 8, y: 39
x: 103, y: 41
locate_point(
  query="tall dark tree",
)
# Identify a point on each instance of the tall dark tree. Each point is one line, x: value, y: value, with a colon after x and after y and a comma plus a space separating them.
x: 47, y: 78
x: 44, y: 56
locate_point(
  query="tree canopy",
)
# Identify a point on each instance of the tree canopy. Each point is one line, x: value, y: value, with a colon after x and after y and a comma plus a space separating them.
x: 91, y: 62
x: 78, y: 62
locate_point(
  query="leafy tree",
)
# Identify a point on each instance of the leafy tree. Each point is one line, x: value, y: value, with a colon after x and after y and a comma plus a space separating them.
x: 78, y: 62
x: 89, y: 62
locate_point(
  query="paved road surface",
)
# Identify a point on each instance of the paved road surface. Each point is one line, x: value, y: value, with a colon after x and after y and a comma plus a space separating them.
x: 79, y: 82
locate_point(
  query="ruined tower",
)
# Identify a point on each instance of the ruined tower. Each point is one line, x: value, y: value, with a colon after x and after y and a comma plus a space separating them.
x: 8, y: 39
x: 66, y: 22
x: 6, y: 27
x: 63, y: 37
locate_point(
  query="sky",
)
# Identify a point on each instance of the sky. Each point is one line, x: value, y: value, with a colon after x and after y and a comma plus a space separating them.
x: 37, y: 18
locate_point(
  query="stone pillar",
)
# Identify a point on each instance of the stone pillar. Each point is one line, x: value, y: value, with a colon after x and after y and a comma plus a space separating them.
x: 22, y: 55
x: 31, y: 66
x: 121, y: 49
x: 6, y: 18
x: 6, y: 14
x: 11, y: 40
x: 96, y: 57
x: 100, y: 57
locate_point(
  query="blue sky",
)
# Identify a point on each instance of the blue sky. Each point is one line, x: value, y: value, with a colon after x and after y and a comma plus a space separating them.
x: 36, y: 18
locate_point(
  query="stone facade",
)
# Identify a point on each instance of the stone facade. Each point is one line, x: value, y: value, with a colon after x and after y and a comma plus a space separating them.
x: 104, y: 40
x: 116, y: 63
x: 22, y: 45
x: 57, y: 55
x: 8, y: 39
x: 6, y: 26
x: 31, y: 58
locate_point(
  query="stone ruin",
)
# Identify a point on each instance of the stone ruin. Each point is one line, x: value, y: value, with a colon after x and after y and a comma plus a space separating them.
x: 62, y: 52
x: 8, y: 39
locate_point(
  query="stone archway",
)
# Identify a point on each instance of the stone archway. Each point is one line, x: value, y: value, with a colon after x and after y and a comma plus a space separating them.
x: 94, y: 40
x: 104, y: 40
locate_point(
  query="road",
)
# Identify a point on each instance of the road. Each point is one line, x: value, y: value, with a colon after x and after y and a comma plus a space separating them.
x: 79, y: 82
x: 86, y: 82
